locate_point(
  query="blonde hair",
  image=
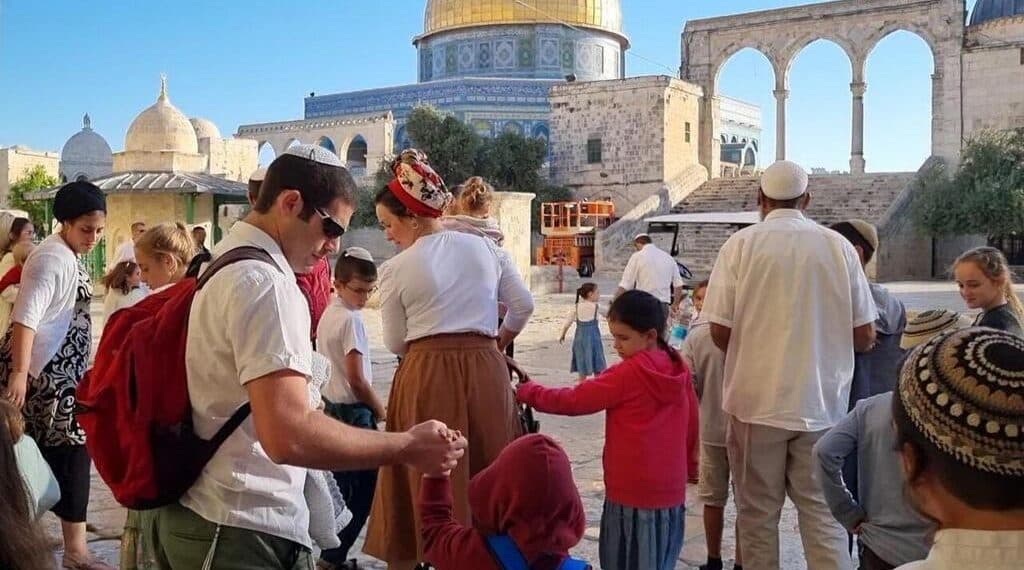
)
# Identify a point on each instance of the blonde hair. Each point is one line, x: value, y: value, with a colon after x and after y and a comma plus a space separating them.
x: 171, y: 240
x: 993, y: 264
x: 475, y: 196
x: 21, y: 251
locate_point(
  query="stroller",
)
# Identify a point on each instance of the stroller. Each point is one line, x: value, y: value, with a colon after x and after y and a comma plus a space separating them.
x: 526, y: 418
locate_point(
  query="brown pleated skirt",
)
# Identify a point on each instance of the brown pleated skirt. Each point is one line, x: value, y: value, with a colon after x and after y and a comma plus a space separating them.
x: 463, y: 381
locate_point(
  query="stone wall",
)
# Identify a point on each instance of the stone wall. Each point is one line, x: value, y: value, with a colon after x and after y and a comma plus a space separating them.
x: 994, y: 76
x: 234, y: 159
x: 641, y: 123
x: 16, y: 161
x: 159, y: 161
x: 125, y: 209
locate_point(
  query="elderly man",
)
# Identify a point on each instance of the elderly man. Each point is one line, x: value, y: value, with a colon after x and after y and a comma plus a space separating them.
x: 790, y: 304
x: 654, y: 271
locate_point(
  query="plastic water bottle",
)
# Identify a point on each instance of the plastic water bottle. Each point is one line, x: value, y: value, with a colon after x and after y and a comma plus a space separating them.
x: 678, y: 335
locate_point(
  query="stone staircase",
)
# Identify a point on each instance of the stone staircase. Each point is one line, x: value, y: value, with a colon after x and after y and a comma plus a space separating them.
x: 833, y: 198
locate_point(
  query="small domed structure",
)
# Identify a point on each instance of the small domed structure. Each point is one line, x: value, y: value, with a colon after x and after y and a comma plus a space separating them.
x: 988, y: 10
x: 161, y: 127
x: 86, y: 155
x: 205, y: 128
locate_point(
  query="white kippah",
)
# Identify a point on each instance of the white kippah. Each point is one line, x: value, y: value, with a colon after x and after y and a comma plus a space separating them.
x: 259, y: 175
x: 316, y: 153
x: 784, y: 180
x: 358, y: 253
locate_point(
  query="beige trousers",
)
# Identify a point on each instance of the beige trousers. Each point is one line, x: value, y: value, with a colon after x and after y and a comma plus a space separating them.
x: 768, y: 464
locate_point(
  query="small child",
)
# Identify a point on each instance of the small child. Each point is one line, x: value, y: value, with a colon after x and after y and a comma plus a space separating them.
x: 587, y: 347
x: 986, y: 282
x: 470, y: 211
x: 889, y: 530
x: 350, y: 398
x: 707, y: 362
x: 651, y: 436
x: 124, y: 287
x: 10, y: 283
x: 527, y: 495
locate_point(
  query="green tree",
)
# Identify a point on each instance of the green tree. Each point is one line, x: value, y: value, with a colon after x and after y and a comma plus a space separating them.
x: 512, y: 162
x: 34, y: 179
x: 450, y: 144
x: 366, y: 211
x: 985, y: 196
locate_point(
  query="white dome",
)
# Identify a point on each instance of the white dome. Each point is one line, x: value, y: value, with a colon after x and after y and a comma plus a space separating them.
x: 86, y: 146
x: 205, y: 128
x: 161, y: 127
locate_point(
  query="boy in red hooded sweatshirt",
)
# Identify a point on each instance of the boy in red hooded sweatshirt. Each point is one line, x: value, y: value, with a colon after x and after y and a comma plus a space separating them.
x: 651, y: 436
x: 527, y: 495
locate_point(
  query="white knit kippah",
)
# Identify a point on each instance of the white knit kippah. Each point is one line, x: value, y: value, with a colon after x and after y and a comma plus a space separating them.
x: 316, y: 153
x: 784, y: 180
x: 358, y: 253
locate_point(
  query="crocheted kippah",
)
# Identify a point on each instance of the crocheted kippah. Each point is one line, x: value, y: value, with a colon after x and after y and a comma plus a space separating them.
x: 316, y: 153
x: 964, y: 391
x: 926, y: 325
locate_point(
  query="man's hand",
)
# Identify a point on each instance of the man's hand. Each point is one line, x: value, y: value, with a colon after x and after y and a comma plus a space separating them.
x: 17, y: 387
x: 433, y: 448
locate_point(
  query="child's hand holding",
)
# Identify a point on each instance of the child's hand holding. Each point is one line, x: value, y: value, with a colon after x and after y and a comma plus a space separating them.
x: 451, y: 436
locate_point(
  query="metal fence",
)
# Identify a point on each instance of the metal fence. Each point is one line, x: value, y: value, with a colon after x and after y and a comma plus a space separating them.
x: 95, y: 262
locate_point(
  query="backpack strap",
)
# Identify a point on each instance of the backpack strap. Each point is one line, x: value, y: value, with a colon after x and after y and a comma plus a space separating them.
x: 574, y: 564
x: 506, y: 552
x: 232, y: 256
x: 244, y: 253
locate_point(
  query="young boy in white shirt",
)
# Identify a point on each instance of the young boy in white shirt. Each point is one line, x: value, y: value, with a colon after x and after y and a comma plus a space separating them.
x: 349, y: 395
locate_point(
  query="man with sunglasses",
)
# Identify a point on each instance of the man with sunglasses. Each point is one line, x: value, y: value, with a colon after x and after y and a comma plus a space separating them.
x: 248, y: 342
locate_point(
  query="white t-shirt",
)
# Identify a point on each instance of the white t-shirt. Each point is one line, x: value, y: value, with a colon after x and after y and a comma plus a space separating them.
x: 448, y: 283
x: 652, y: 270
x: 340, y: 332
x: 249, y: 320
x: 792, y: 291
x: 125, y: 252
x: 116, y: 300
x: 46, y: 300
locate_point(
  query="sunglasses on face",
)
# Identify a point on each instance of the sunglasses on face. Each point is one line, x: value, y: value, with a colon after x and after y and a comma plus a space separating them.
x: 333, y: 229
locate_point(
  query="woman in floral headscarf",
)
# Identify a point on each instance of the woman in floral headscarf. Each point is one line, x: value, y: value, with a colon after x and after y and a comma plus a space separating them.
x: 438, y: 299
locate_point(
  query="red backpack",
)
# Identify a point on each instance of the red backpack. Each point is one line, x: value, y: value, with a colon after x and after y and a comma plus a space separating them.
x: 134, y: 404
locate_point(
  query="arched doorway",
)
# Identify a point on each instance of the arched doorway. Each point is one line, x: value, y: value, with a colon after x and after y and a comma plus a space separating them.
x: 355, y: 156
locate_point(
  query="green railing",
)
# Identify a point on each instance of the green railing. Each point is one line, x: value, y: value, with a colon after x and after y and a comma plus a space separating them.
x: 96, y: 262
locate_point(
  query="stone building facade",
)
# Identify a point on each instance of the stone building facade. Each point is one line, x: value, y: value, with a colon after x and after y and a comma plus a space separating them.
x: 621, y: 140
x: 993, y: 71
x: 16, y: 161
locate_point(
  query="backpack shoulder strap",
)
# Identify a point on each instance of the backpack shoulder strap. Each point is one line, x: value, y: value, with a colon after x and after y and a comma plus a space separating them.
x: 244, y: 253
x: 506, y: 552
x: 574, y: 564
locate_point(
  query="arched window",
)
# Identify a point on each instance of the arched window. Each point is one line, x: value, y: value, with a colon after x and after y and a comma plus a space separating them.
x: 356, y: 155
x: 327, y: 143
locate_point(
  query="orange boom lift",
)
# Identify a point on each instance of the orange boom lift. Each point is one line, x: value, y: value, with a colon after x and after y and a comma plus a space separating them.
x: 569, y: 229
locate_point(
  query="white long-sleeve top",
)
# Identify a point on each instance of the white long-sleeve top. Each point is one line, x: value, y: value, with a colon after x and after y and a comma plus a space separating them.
x: 449, y: 283
x: 46, y: 301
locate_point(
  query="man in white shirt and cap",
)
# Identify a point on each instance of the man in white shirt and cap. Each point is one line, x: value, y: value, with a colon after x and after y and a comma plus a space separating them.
x: 652, y: 270
x: 126, y: 251
x: 248, y: 342
x: 790, y: 304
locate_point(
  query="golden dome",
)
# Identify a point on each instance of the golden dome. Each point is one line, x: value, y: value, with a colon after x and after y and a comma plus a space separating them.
x: 161, y: 127
x: 444, y: 15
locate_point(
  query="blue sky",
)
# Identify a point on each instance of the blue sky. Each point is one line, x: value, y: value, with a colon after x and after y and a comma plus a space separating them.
x: 245, y: 62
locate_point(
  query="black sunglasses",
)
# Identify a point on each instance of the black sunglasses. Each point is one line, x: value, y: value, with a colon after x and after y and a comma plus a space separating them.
x: 333, y: 229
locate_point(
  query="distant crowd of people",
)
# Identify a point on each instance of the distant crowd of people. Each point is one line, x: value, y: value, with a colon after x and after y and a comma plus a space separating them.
x: 798, y: 378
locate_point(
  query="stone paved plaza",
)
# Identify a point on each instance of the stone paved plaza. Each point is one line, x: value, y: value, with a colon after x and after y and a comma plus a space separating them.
x: 548, y: 362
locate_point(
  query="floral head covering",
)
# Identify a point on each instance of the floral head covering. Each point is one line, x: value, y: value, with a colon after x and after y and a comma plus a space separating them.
x: 417, y: 186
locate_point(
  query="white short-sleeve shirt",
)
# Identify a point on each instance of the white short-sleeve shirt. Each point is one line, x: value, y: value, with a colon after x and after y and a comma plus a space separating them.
x: 249, y: 320
x: 341, y: 332
x: 652, y: 270
x: 792, y: 291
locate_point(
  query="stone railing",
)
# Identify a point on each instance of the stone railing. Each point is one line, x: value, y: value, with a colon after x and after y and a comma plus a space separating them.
x: 614, y: 244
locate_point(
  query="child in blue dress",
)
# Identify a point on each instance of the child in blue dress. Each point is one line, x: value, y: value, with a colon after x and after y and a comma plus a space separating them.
x: 587, y: 347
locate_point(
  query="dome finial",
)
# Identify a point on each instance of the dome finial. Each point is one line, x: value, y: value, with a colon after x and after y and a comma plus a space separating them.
x: 87, y: 122
x: 163, y: 87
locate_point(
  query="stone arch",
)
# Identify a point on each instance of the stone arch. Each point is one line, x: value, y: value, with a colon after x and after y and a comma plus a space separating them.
x: 355, y: 152
x: 795, y: 48
x: 267, y: 153
x: 727, y: 54
x: 291, y: 142
x: 892, y: 27
x: 326, y: 142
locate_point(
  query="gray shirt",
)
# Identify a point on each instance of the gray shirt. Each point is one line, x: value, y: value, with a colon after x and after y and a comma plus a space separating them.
x: 890, y: 526
x: 707, y: 364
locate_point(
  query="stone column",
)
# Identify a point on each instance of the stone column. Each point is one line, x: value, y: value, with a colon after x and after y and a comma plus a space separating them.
x: 513, y: 210
x: 781, y: 96
x: 857, y: 163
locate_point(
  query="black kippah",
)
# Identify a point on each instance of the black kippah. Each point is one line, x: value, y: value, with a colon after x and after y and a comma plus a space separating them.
x: 76, y: 199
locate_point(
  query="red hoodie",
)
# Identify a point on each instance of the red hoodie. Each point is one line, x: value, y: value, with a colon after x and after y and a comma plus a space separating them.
x: 528, y: 493
x: 316, y: 287
x: 652, y: 428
